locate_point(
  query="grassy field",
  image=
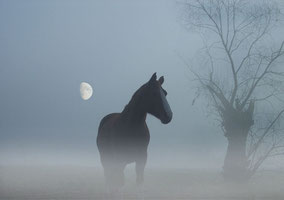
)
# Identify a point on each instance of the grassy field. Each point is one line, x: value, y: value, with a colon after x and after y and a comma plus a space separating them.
x: 77, y: 182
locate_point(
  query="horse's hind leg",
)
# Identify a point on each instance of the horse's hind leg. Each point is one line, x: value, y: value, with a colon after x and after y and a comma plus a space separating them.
x: 114, y: 176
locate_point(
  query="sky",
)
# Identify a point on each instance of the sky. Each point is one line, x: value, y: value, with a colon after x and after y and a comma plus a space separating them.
x: 47, y: 48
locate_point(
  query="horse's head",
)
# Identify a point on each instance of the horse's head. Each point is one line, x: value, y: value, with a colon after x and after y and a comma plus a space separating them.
x: 157, y: 103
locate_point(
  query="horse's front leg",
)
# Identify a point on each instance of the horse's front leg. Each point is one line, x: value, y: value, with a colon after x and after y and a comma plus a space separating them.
x: 140, y: 166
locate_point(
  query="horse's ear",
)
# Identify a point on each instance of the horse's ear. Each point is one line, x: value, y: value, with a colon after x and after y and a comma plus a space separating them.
x: 161, y: 80
x: 153, y: 78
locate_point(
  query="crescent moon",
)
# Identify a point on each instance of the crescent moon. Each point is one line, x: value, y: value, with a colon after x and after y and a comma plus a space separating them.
x: 86, y: 90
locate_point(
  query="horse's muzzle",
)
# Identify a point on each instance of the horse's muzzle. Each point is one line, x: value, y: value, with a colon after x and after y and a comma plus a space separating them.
x: 167, y: 119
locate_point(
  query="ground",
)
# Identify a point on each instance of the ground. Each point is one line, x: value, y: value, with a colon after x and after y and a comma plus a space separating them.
x: 81, y: 182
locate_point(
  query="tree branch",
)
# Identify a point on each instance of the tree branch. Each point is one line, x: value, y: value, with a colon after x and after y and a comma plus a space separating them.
x: 279, y: 53
x: 259, y: 141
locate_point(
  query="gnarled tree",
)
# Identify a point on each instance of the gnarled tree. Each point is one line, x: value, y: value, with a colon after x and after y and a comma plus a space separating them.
x: 243, y: 71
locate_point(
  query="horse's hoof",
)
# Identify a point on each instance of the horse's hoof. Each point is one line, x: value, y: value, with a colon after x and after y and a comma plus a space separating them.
x: 114, y: 194
x: 140, y: 193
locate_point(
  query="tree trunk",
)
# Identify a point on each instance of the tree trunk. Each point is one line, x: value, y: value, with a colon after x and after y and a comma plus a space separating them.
x: 237, y: 124
x: 236, y: 163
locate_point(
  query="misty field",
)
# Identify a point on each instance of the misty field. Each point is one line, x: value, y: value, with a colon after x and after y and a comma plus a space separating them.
x: 77, y: 182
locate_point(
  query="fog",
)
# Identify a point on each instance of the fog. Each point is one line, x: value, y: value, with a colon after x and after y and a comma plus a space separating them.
x: 48, y: 133
x: 49, y: 48
x: 73, y: 182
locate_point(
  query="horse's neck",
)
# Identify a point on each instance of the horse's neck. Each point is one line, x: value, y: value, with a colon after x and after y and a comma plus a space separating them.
x: 133, y: 113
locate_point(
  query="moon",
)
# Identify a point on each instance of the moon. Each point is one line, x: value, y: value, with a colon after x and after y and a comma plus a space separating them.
x: 86, y: 90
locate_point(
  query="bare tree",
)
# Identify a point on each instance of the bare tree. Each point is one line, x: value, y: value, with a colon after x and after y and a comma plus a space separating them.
x: 242, y: 72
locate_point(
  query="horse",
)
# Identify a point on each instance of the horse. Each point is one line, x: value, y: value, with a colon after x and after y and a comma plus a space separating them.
x: 123, y: 138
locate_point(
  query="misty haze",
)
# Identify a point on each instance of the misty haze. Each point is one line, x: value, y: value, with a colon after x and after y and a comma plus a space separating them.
x: 196, y: 87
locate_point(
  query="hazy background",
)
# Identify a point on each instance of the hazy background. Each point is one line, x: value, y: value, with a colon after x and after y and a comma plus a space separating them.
x: 48, y: 47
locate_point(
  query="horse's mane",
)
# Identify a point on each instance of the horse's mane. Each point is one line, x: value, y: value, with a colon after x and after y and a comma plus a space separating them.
x: 134, y: 98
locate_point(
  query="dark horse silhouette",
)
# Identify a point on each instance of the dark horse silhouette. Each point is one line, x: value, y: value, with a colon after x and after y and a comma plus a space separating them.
x: 123, y: 137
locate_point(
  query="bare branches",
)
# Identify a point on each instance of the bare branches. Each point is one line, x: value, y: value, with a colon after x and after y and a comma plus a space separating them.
x: 219, y: 95
x: 238, y: 34
x: 274, y: 56
x: 265, y: 133
x: 239, y: 26
x: 274, y: 150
